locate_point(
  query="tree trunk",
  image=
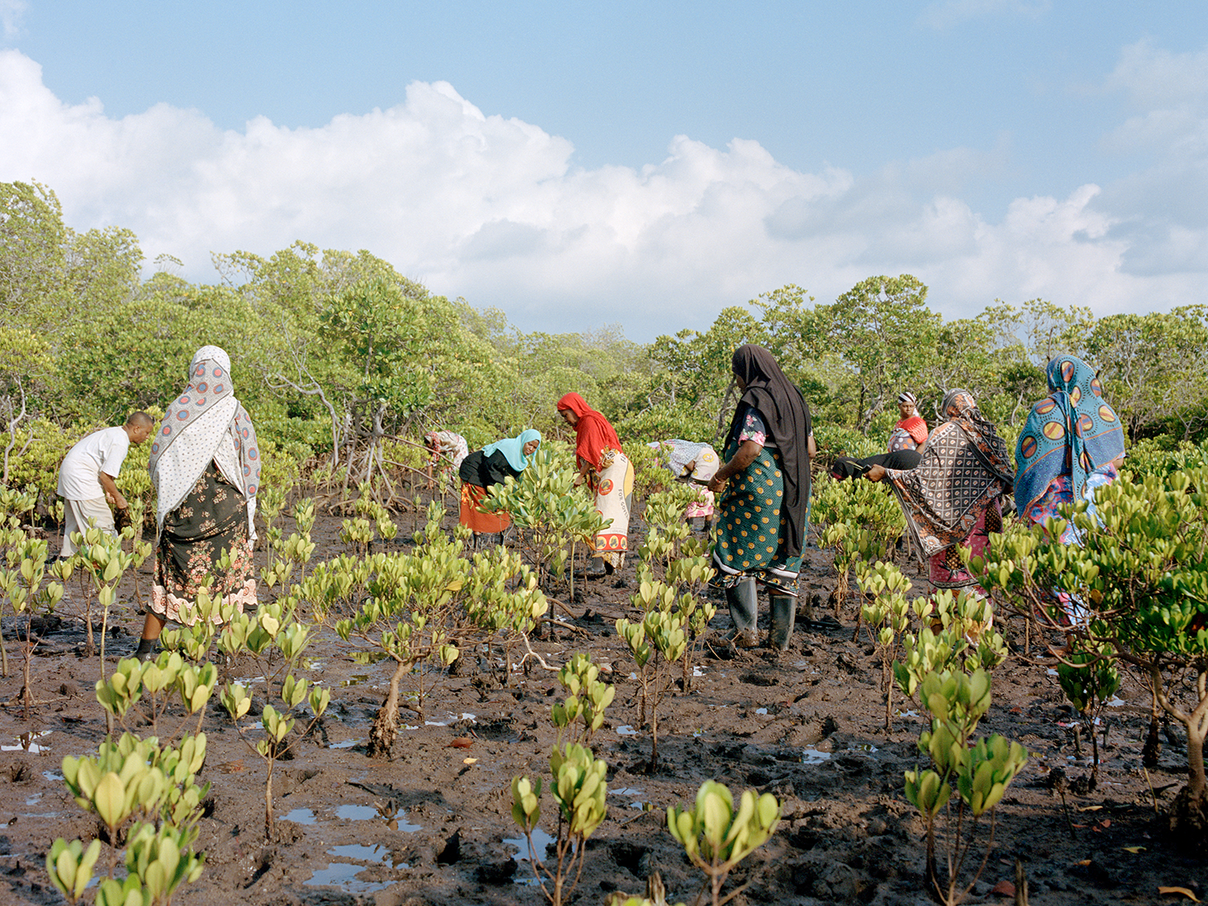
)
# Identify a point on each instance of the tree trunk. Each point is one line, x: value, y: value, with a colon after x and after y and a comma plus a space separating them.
x: 268, y: 802
x: 385, y: 725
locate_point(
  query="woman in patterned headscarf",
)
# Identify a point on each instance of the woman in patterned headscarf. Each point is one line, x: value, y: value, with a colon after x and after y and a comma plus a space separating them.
x: 1072, y: 443
x: 608, y: 471
x: 765, y: 508
x: 205, y: 466
x: 954, y: 495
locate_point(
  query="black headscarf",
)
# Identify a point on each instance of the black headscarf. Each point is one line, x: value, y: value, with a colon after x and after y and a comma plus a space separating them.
x: 787, y: 417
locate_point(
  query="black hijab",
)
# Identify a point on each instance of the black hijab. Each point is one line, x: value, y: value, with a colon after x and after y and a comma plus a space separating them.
x: 787, y: 417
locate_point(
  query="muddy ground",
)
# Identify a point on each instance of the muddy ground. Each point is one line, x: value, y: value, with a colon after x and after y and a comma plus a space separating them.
x: 428, y: 826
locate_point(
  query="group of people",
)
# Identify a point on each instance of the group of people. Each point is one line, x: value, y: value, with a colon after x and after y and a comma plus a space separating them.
x: 764, y: 484
x: 1071, y: 444
x: 951, y: 483
x: 205, y: 467
x: 601, y: 463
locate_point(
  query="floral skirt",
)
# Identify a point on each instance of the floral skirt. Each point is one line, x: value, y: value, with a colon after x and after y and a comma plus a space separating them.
x: 947, y: 568
x: 476, y: 519
x: 210, y: 521
x: 1058, y: 495
x: 702, y: 505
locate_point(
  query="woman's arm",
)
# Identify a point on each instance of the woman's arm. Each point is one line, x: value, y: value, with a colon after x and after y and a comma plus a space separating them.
x: 747, y: 453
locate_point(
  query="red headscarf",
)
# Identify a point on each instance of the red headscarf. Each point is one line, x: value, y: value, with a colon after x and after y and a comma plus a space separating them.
x: 593, y: 433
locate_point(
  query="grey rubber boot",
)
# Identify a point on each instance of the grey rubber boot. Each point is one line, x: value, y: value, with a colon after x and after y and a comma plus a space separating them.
x: 742, y: 601
x: 784, y: 613
x: 596, y: 569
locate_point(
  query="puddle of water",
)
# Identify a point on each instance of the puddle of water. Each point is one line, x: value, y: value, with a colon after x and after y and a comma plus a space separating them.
x: 346, y: 744
x: 810, y: 755
x: 27, y: 742
x: 698, y: 671
x: 626, y: 730
x: 450, y: 718
x: 761, y: 710
x: 625, y: 791
x: 301, y: 816
x: 361, y: 852
x: 867, y: 747
x: 393, y: 816
x: 344, y: 874
x: 1115, y: 702
x: 541, y: 840
x: 1052, y: 672
x: 355, y: 680
x: 356, y: 812
x: 53, y: 776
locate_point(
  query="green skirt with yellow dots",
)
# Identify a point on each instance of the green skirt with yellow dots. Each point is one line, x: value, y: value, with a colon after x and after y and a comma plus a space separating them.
x: 749, y: 537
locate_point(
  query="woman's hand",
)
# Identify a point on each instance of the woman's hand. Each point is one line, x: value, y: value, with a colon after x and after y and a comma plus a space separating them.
x: 875, y: 473
x: 747, y: 454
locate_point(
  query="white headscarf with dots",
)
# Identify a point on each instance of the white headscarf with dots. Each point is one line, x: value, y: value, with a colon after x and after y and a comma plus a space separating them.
x: 206, y: 422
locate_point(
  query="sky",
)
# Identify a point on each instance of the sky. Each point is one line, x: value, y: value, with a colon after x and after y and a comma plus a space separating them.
x: 641, y: 164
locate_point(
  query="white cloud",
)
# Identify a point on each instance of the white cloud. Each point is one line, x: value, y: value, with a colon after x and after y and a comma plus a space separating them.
x: 492, y: 209
x: 1156, y: 78
x: 1162, y: 208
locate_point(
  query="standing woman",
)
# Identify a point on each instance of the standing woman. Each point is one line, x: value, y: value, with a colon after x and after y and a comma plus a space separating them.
x: 765, y: 509
x: 1072, y: 443
x: 608, y: 471
x: 205, y: 466
x: 910, y: 433
x: 905, y: 441
x: 493, y: 464
x: 954, y: 495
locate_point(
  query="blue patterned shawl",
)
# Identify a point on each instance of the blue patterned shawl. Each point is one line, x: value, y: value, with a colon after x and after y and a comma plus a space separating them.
x: 1072, y: 429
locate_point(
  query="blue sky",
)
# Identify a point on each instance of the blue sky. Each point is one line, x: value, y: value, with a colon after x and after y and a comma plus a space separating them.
x: 645, y: 164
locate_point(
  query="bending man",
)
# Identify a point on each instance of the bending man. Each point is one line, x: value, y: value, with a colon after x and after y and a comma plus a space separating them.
x: 86, y: 477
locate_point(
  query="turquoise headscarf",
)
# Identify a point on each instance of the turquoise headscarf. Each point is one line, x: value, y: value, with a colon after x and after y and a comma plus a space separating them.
x: 1074, y: 417
x: 513, y: 448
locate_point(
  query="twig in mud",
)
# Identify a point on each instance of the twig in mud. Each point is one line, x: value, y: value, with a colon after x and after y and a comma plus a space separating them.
x: 1021, y: 884
x: 565, y: 608
x: 562, y: 624
x: 535, y: 656
x: 1065, y: 808
x: 1153, y: 793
